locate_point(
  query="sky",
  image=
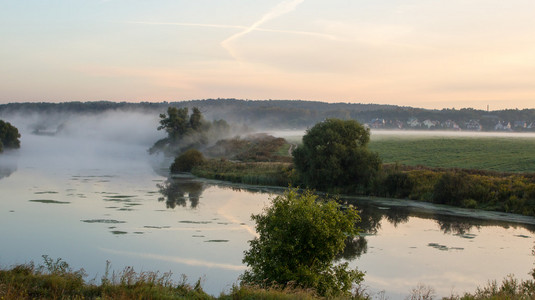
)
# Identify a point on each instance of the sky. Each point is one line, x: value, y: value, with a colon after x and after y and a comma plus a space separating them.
x: 420, y: 53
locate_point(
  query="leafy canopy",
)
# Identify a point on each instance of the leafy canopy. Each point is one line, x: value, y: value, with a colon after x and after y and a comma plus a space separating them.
x: 9, y: 136
x: 186, y: 131
x: 299, y: 238
x: 334, y: 156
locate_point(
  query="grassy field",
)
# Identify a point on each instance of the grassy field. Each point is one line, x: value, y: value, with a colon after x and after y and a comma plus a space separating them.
x: 503, y: 154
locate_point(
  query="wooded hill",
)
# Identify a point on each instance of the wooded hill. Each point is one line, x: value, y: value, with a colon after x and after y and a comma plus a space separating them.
x: 297, y: 114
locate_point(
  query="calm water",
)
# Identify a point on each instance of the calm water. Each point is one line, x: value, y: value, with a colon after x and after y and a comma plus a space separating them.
x: 87, y: 199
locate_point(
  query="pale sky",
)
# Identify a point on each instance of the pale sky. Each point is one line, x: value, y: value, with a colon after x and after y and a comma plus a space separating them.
x: 421, y: 53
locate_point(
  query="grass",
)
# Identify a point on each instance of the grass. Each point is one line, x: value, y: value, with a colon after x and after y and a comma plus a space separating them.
x: 500, y: 154
x: 56, y: 280
x: 255, y: 173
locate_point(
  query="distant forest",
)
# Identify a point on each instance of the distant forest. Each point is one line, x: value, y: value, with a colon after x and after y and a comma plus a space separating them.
x: 297, y: 114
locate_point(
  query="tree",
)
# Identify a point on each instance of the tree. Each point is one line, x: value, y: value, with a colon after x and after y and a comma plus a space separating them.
x: 299, y: 238
x: 334, y: 156
x: 184, y: 131
x: 9, y: 136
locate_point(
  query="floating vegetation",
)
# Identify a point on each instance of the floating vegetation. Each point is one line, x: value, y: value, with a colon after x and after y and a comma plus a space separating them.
x: 112, y: 207
x: 522, y: 236
x: 442, y: 247
x: 196, y: 235
x: 105, y: 221
x: 138, y: 232
x: 466, y: 235
x: 112, y: 227
x: 121, y: 196
x: 49, y: 201
x: 46, y: 192
x: 156, y: 227
x: 223, y: 223
x: 438, y: 246
x: 216, y: 241
x: 125, y: 209
x: 118, y: 232
x: 195, y: 222
x: 132, y: 204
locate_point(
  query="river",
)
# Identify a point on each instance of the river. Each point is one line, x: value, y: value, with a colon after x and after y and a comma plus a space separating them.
x: 88, y: 198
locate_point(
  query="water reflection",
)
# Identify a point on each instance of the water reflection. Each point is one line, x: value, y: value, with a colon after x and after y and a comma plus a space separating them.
x: 374, y: 214
x: 354, y: 248
x: 179, y: 191
x: 7, y: 165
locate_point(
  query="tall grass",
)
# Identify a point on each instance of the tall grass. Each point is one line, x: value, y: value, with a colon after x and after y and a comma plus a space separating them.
x: 56, y: 280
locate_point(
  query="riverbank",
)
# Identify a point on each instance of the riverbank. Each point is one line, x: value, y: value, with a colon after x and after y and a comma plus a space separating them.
x: 473, y: 189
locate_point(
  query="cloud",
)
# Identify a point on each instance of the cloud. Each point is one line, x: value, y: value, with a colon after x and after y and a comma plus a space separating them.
x: 180, y: 260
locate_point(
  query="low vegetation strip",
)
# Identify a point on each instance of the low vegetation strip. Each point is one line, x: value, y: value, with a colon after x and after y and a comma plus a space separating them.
x: 500, y: 154
x: 255, y: 173
x: 56, y: 280
x: 507, y: 192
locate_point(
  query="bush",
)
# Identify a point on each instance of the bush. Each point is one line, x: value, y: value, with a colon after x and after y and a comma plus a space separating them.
x: 299, y: 239
x: 186, y: 161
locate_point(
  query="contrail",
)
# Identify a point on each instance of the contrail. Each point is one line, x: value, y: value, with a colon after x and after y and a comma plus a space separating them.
x: 279, y: 10
x: 223, y: 26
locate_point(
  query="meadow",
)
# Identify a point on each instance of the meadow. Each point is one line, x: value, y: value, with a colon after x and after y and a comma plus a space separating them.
x: 493, y: 153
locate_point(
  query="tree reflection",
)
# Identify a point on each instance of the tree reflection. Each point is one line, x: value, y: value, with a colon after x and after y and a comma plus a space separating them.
x: 455, y: 225
x: 7, y: 169
x: 178, y: 191
x: 354, y: 248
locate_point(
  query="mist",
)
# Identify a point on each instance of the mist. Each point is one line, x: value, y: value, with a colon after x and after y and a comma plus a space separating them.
x: 108, y: 140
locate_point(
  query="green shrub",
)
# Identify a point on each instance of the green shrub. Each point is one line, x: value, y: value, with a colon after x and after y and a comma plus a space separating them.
x: 299, y: 239
x: 187, y: 161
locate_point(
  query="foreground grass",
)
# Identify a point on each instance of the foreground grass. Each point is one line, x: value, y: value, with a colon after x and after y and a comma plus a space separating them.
x: 56, y: 280
x: 500, y: 154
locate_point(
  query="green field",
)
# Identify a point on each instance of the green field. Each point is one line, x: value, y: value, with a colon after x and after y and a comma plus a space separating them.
x: 503, y: 154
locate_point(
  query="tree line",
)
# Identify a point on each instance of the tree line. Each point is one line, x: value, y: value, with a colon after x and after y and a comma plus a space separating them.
x: 288, y: 114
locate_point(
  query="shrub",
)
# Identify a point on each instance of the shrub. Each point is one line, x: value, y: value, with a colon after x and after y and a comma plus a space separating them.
x: 299, y: 240
x: 186, y: 161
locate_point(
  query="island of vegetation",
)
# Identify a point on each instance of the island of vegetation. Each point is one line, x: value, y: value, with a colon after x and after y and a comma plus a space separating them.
x: 9, y: 136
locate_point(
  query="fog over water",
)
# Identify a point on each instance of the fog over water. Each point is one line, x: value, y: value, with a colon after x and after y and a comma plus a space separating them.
x: 84, y: 188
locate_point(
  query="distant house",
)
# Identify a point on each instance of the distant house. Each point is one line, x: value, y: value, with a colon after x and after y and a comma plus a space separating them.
x: 520, y: 124
x: 473, y: 125
x: 397, y: 124
x: 450, y: 124
x: 502, y: 126
x: 413, y: 122
x: 428, y: 123
x: 377, y: 123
